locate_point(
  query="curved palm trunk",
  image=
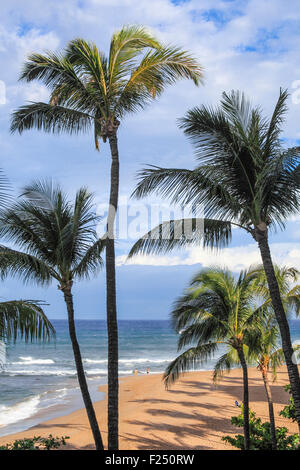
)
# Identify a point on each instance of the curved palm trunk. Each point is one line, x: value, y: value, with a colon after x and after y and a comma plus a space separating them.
x: 111, y: 304
x: 246, y: 398
x: 271, y: 408
x: 80, y: 371
x: 287, y: 348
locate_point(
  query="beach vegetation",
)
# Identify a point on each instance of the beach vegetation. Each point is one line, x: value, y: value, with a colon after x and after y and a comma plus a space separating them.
x: 36, y: 443
x: 268, y: 353
x: 289, y: 410
x: 261, y: 436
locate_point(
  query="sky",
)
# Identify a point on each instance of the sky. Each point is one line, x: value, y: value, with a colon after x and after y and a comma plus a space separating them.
x: 250, y: 45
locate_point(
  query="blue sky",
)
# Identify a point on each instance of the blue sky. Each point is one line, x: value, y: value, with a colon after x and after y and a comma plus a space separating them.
x: 249, y: 45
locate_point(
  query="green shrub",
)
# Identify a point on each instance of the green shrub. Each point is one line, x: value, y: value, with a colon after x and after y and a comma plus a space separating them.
x: 36, y: 443
x: 289, y: 410
x: 260, y: 435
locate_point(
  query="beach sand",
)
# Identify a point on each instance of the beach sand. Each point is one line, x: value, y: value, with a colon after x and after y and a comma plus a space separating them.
x: 193, y: 414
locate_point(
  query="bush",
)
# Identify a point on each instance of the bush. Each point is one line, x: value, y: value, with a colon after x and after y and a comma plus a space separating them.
x: 260, y: 435
x: 36, y: 443
x: 289, y: 410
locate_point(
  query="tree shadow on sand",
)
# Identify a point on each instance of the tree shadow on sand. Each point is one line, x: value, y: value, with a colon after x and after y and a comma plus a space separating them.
x: 201, y: 427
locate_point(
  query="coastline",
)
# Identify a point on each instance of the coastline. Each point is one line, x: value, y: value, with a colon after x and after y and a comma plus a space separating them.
x: 192, y: 414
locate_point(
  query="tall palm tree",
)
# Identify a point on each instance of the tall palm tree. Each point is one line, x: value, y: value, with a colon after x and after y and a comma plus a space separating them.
x: 57, y: 241
x: 269, y: 357
x: 243, y: 178
x: 268, y: 354
x: 92, y: 90
x: 216, y: 310
x: 24, y: 319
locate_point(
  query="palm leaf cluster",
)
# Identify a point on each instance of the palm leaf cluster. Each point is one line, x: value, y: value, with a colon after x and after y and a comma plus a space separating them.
x: 91, y: 90
x: 55, y: 239
x: 243, y: 176
x: 24, y: 319
x: 216, y: 310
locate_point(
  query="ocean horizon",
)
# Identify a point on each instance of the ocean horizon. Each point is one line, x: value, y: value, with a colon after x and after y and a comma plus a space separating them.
x: 38, y: 381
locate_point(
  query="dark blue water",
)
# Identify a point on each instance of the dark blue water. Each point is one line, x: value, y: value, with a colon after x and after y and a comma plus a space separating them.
x: 39, y: 380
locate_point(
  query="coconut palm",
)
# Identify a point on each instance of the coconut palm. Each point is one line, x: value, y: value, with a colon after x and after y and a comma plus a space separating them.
x: 56, y: 241
x: 216, y: 310
x: 268, y: 353
x: 243, y: 178
x: 269, y: 357
x: 92, y: 90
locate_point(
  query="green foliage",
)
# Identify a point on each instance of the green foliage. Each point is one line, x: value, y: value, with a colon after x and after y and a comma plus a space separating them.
x: 92, y: 90
x: 289, y: 410
x: 215, y: 309
x: 260, y: 435
x: 24, y: 319
x: 57, y: 238
x: 243, y: 176
x: 36, y: 443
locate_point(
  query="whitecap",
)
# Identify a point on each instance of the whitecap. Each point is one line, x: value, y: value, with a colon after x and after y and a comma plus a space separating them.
x: 18, y: 412
x: 32, y: 360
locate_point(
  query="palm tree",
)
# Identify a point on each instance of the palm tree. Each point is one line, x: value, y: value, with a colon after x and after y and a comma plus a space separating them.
x: 269, y: 357
x: 243, y: 178
x: 90, y: 89
x: 216, y: 310
x: 24, y: 319
x: 57, y: 241
x: 267, y: 353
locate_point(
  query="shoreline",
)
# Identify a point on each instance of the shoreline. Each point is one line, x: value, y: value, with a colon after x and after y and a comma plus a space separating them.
x: 192, y: 414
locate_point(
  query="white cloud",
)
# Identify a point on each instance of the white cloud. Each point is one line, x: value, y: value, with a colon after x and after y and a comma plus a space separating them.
x: 234, y: 258
x: 152, y: 136
x: 220, y: 47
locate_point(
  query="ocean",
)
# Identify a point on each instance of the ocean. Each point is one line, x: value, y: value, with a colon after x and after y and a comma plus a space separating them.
x: 39, y: 380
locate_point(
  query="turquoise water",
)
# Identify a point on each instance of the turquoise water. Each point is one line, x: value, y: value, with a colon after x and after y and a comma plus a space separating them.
x: 39, y: 381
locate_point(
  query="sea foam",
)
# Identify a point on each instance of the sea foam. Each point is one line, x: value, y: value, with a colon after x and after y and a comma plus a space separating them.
x: 22, y: 410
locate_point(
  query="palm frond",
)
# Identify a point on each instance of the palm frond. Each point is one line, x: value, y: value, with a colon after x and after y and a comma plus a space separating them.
x: 181, y: 233
x: 126, y: 45
x: 190, y: 359
x: 24, y: 319
x: 271, y: 137
x: 5, y: 190
x: 92, y: 63
x: 49, y: 118
x: 27, y: 267
x: 91, y: 261
x: 225, y: 364
x: 157, y: 69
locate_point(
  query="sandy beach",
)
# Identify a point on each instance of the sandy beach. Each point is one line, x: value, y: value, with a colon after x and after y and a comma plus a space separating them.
x: 193, y: 414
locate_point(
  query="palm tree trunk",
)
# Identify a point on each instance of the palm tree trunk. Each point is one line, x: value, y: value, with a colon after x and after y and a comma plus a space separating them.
x: 246, y: 398
x: 287, y: 348
x: 111, y: 303
x: 80, y: 371
x: 271, y: 408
